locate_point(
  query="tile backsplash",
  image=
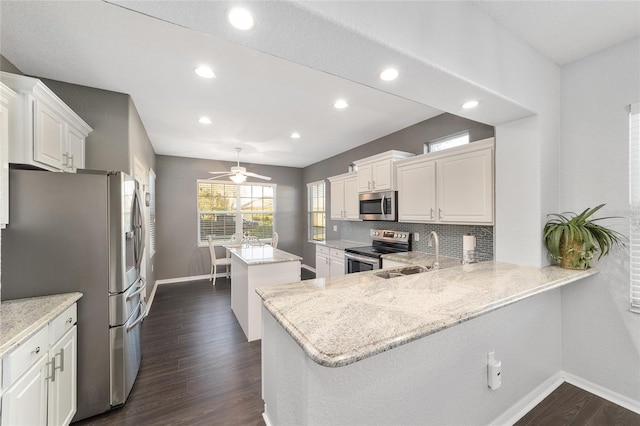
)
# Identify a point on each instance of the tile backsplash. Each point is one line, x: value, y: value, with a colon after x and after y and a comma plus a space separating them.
x: 450, y: 236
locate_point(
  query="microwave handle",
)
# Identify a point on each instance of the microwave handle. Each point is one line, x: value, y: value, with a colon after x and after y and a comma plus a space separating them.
x: 382, y: 205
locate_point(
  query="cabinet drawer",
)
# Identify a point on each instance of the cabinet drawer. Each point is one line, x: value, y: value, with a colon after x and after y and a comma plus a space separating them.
x: 62, y: 323
x: 323, y: 250
x: 17, y: 362
x: 336, y: 254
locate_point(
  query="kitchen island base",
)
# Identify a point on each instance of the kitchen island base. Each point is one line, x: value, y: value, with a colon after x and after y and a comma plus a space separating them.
x: 245, y: 278
x: 438, y: 379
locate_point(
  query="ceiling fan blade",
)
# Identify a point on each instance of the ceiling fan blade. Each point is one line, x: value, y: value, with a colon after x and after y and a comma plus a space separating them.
x: 220, y: 173
x: 218, y: 176
x: 255, y: 175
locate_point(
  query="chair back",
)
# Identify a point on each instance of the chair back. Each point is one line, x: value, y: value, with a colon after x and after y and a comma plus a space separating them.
x: 212, y: 249
x: 274, y: 240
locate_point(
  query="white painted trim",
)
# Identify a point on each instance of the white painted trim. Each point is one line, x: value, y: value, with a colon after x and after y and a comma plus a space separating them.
x: 526, y: 404
x: 150, y: 300
x: 265, y: 417
x: 602, y: 392
x: 309, y: 268
x: 187, y: 279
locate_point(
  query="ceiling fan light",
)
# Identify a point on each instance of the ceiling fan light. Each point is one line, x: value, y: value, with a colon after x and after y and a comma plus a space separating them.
x: 238, y: 178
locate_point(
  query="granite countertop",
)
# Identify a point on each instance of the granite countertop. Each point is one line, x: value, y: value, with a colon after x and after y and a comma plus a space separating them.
x: 258, y: 255
x: 22, y: 318
x: 341, y: 320
x: 339, y: 244
x: 422, y: 259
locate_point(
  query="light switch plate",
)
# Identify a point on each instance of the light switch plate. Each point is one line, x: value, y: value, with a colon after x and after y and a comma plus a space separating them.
x: 335, y: 228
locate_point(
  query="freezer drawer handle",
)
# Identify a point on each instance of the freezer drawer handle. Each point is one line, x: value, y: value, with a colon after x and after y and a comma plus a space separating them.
x: 141, y: 286
x: 140, y: 318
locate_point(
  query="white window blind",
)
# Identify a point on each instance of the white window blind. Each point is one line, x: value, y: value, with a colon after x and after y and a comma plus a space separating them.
x: 634, y: 198
x: 316, y: 211
x: 152, y: 212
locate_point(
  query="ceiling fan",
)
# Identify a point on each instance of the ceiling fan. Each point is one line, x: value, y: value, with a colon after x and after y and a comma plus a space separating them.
x: 237, y: 173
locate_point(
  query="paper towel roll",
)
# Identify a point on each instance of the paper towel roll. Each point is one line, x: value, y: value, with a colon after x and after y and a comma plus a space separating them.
x: 468, y: 244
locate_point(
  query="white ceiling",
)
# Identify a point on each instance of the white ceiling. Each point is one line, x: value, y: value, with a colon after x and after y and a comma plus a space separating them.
x: 257, y: 99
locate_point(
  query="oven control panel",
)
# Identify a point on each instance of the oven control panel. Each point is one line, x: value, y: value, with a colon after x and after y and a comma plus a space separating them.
x: 391, y: 236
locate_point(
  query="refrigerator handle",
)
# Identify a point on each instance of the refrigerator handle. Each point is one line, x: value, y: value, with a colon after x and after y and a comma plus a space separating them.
x: 143, y: 308
x: 141, y: 286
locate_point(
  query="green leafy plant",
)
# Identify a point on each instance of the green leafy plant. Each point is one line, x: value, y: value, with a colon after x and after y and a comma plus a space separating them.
x: 573, y: 239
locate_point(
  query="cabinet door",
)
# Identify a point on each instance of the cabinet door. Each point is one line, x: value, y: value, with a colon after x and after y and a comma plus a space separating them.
x: 351, y: 200
x: 381, y: 176
x: 337, y: 267
x: 417, y: 192
x: 75, y: 150
x: 25, y: 403
x: 465, y: 188
x: 63, y: 386
x: 323, y: 266
x: 49, y: 137
x: 337, y: 200
x: 364, y: 178
x: 4, y: 166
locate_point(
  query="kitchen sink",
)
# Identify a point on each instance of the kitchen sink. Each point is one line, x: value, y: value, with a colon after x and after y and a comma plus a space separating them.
x: 395, y: 273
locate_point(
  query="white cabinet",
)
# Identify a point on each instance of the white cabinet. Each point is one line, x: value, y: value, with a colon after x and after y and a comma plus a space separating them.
x: 329, y: 262
x: 417, y: 191
x: 6, y: 96
x: 376, y: 173
x: 43, y: 131
x: 40, y: 375
x: 344, y: 196
x: 453, y: 186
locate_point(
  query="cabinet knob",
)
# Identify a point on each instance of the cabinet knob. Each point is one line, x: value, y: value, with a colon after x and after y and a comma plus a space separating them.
x: 70, y: 320
x: 36, y: 350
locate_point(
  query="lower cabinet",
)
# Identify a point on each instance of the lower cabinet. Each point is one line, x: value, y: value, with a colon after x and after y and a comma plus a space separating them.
x: 40, y: 376
x: 329, y: 262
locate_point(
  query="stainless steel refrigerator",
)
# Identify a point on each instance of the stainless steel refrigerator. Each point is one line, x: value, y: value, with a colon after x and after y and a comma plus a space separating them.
x: 82, y: 232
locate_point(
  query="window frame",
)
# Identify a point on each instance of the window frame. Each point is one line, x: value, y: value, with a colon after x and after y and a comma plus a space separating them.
x: 427, y: 145
x: 311, y: 212
x: 152, y: 213
x: 634, y: 207
x: 238, y: 210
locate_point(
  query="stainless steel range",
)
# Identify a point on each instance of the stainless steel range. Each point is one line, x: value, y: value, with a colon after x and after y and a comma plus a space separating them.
x: 368, y: 258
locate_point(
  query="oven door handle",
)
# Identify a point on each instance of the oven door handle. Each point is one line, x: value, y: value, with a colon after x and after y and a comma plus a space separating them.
x: 365, y: 259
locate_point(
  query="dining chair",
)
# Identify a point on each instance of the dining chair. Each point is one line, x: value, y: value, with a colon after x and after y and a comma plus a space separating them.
x: 274, y: 240
x: 215, y: 261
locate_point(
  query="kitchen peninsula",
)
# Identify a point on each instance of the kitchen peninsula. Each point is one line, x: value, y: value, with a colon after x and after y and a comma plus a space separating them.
x: 257, y: 266
x: 409, y: 350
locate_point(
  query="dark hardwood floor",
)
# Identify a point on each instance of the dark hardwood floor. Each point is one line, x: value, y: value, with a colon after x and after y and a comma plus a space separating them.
x: 198, y: 369
x: 570, y: 405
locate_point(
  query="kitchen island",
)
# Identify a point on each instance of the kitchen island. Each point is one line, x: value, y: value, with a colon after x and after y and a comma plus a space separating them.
x: 252, y: 267
x: 410, y: 350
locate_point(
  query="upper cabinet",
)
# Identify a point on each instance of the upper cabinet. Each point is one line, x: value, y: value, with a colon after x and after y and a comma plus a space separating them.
x: 43, y: 131
x: 452, y: 186
x: 376, y: 173
x: 6, y: 96
x: 344, y: 196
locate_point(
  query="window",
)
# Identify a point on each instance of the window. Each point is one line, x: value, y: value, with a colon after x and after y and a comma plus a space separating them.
x: 447, y: 142
x: 316, y: 211
x: 152, y: 213
x: 634, y: 199
x: 225, y: 208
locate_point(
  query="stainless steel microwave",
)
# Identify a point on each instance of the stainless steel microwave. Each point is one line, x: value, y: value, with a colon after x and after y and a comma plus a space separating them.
x: 379, y: 206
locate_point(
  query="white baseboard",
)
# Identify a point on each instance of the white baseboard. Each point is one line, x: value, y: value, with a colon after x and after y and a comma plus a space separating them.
x: 309, y: 268
x: 526, y: 404
x: 602, y: 392
x: 265, y: 417
x: 150, y: 298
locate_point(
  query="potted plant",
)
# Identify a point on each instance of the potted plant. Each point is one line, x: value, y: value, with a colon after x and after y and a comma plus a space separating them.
x: 572, y: 239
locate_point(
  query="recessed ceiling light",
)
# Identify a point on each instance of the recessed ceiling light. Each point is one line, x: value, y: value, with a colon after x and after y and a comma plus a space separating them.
x: 205, y: 72
x: 389, y: 74
x: 295, y: 135
x: 470, y: 104
x: 204, y: 120
x: 340, y: 104
x: 240, y: 18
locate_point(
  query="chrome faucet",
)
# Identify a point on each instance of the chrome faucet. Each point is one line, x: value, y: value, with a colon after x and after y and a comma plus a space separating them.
x: 433, y: 238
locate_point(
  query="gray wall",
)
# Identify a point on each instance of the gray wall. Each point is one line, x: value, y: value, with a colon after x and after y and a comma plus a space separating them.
x: 178, y: 253
x: 410, y: 139
x: 7, y: 66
